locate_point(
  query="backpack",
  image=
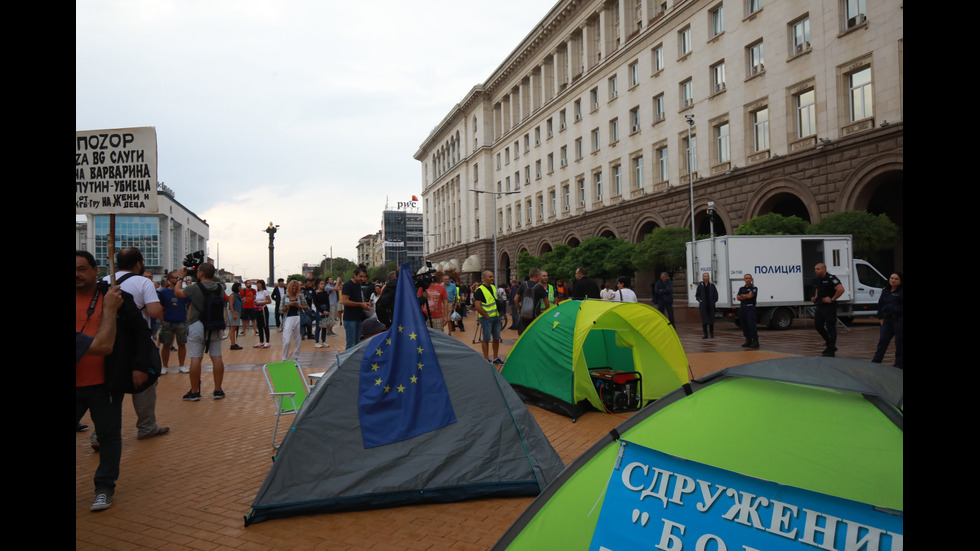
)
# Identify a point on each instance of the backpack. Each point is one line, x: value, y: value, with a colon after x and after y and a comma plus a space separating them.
x: 213, y: 314
x: 527, y: 303
x: 133, y: 349
x: 384, y: 308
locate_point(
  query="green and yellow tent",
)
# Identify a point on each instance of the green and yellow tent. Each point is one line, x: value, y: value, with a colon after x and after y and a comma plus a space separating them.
x: 551, y: 362
x: 821, y: 438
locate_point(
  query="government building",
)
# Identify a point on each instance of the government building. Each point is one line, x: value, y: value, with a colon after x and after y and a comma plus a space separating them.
x: 610, y: 115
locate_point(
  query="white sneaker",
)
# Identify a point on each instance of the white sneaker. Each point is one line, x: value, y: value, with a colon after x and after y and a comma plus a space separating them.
x: 184, y: 369
x: 317, y: 345
x: 163, y: 371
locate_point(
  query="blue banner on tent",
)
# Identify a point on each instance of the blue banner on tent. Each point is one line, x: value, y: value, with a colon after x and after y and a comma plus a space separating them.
x: 401, y: 391
x: 659, y: 501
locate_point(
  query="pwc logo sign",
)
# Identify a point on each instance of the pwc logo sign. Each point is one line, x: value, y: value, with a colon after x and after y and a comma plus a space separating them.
x: 413, y: 204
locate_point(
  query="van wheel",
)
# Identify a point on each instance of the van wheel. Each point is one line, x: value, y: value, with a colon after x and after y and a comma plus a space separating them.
x: 782, y: 318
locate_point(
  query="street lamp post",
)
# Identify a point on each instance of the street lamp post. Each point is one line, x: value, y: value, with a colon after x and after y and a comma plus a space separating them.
x: 494, y: 216
x: 691, y: 156
x: 331, y: 261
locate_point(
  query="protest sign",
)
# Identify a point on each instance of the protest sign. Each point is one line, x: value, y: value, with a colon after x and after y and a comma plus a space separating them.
x: 116, y: 171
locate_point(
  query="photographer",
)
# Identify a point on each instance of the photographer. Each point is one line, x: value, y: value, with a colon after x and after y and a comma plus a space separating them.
x: 197, y: 338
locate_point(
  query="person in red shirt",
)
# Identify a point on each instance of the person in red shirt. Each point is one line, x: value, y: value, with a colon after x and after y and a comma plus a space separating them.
x: 438, y: 303
x: 95, y: 315
x: 248, y: 308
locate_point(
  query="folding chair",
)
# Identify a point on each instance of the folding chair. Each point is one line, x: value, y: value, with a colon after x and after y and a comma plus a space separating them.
x: 288, y: 387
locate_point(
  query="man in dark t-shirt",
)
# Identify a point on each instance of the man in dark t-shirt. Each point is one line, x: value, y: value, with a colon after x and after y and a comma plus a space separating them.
x: 538, y: 292
x: 355, y: 306
x: 584, y: 286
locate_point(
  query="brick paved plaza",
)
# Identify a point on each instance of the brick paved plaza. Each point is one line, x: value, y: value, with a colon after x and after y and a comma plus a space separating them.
x: 191, y: 488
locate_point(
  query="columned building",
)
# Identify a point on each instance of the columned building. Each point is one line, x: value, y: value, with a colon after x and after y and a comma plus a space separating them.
x: 608, y: 113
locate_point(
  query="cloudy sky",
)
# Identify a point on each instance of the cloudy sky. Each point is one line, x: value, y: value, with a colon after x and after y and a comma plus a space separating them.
x: 302, y: 113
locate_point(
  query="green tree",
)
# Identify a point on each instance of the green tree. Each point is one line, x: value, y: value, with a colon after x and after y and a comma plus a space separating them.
x: 592, y: 253
x: 377, y: 272
x: 299, y: 277
x: 773, y: 224
x: 620, y: 260
x: 663, y: 250
x: 558, y: 262
x: 342, y: 267
x: 873, y: 234
x: 526, y: 261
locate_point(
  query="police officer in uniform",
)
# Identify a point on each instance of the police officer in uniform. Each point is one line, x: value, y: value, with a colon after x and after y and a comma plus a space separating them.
x: 826, y: 290
x: 747, y: 319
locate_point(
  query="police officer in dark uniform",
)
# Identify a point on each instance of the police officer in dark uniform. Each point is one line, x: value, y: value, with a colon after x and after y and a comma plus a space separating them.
x: 826, y: 290
x: 747, y: 318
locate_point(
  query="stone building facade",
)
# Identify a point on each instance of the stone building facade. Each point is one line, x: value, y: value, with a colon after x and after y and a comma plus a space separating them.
x: 598, y: 122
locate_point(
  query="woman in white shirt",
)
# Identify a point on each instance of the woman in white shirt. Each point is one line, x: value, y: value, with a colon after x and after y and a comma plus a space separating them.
x: 624, y: 293
x: 607, y: 292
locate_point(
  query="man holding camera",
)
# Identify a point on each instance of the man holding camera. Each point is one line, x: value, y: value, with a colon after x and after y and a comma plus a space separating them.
x: 197, y: 337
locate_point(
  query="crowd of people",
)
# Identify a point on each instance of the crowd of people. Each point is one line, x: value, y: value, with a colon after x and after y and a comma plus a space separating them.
x: 193, y: 317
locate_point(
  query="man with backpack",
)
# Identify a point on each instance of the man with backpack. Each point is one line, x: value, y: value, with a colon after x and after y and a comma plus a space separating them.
x: 205, y: 321
x: 129, y: 277
x: 531, y: 299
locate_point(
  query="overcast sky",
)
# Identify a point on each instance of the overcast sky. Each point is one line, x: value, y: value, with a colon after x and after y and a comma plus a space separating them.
x: 302, y: 113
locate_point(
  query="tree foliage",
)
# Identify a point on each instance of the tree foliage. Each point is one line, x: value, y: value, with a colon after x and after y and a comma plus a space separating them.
x: 377, y: 272
x: 663, y: 250
x: 342, y: 267
x: 773, y: 224
x: 602, y: 257
x: 525, y: 261
x: 871, y: 233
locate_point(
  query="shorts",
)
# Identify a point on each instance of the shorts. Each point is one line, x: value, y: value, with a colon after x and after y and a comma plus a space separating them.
x: 491, y: 328
x: 248, y: 314
x: 170, y: 330
x: 195, y: 341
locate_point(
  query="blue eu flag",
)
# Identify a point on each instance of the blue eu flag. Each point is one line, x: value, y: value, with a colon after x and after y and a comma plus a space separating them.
x: 401, y: 392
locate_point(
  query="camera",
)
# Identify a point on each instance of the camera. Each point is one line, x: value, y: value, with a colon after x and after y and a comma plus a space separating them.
x: 192, y: 261
x: 426, y: 278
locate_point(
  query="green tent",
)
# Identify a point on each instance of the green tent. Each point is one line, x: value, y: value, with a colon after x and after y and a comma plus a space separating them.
x: 550, y: 364
x: 830, y: 426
